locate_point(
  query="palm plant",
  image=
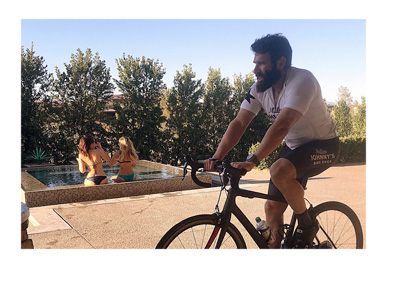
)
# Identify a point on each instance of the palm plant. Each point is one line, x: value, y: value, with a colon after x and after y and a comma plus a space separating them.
x: 38, y: 155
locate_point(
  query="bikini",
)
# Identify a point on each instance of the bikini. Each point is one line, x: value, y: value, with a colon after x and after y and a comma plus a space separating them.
x: 127, y: 178
x: 96, y: 179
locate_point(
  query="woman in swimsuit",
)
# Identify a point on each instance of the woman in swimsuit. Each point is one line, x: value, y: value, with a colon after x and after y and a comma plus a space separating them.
x: 127, y: 158
x: 91, y: 154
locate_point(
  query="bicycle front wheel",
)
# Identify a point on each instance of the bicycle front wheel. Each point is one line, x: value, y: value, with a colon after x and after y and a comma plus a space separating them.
x: 200, y: 231
x: 339, y: 227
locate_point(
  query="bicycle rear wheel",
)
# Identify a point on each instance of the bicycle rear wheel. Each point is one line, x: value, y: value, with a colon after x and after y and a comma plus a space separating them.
x: 200, y: 231
x: 339, y: 227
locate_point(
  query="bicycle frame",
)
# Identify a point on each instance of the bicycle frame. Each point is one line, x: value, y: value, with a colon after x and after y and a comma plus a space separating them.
x: 230, y: 207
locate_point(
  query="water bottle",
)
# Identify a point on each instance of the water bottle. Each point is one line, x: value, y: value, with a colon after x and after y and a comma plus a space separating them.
x: 263, y: 228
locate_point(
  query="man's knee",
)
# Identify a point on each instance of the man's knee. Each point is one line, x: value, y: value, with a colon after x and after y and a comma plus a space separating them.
x: 282, y: 170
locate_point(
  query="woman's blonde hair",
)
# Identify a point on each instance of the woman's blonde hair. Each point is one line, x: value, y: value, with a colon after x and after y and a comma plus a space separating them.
x: 126, y: 147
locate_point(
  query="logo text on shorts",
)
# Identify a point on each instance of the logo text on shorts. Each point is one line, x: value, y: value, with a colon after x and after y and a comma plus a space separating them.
x: 322, y: 157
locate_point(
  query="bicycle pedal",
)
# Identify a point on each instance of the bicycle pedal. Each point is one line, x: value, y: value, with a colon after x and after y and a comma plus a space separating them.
x: 326, y: 244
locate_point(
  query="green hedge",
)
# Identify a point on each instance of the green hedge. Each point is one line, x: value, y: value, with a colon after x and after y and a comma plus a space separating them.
x: 352, y: 150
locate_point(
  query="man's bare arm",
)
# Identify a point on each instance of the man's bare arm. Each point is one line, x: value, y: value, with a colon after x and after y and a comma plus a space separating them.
x: 232, y: 135
x: 287, y: 118
x: 234, y: 132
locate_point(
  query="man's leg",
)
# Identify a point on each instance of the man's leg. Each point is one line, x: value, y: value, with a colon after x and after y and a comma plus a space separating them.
x: 284, y: 175
x: 274, y: 218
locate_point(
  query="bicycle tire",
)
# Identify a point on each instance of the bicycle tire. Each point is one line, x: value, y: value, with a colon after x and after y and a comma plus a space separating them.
x: 341, y: 224
x: 194, y: 233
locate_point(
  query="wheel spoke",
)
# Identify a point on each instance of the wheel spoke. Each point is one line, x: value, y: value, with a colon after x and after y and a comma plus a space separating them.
x: 198, y: 232
x: 181, y: 242
x: 204, y: 234
x: 194, y: 237
x: 339, y: 225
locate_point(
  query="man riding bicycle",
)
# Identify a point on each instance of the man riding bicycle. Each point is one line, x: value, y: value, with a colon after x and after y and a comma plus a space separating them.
x: 292, y: 100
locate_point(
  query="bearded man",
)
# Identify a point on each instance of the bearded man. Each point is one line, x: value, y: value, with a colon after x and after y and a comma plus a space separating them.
x: 292, y: 99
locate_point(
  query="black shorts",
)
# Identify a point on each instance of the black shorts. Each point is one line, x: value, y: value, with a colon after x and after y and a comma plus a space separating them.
x: 310, y: 160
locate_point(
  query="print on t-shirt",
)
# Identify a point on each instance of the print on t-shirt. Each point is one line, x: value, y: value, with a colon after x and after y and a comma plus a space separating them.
x: 273, y: 113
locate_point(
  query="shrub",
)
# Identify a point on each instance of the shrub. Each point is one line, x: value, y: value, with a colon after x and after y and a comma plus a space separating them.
x: 352, y: 149
x: 38, y: 155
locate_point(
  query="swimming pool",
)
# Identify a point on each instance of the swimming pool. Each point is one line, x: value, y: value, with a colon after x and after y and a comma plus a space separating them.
x: 70, y: 175
x: 64, y: 184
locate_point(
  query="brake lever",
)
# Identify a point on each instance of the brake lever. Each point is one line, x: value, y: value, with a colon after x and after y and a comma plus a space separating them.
x: 225, y: 177
x: 184, y: 170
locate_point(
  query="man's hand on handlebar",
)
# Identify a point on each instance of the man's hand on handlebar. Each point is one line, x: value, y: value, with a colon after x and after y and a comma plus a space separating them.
x: 212, y: 164
x: 209, y: 164
x: 248, y: 166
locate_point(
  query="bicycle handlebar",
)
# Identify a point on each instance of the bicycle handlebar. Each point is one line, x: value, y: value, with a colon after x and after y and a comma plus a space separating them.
x: 195, y: 167
x: 220, y: 166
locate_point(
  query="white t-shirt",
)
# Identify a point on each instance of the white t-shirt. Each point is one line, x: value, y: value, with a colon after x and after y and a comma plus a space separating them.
x: 301, y: 92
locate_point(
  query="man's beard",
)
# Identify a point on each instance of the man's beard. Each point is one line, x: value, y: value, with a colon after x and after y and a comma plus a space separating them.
x: 269, y: 79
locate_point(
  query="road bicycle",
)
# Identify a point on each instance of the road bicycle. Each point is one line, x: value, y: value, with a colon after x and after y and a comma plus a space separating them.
x: 339, y: 225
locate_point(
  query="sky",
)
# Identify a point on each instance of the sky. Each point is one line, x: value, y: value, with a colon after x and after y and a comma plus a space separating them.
x: 333, y: 50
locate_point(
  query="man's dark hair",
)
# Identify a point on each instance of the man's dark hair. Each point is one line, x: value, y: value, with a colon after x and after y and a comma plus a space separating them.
x: 276, y: 45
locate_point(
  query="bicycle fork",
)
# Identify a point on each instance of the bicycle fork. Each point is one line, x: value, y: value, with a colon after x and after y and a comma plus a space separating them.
x: 212, y: 237
x: 223, y: 219
x: 221, y: 228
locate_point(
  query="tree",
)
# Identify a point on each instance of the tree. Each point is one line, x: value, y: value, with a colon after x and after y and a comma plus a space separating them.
x: 35, y: 86
x: 359, y: 119
x: 183, y: 105
x: 345, y: 94
x: 216, y: 113
x: 82, y: 93
x: 342, y: 118
x: 241, y: 86
x: 139, y: 114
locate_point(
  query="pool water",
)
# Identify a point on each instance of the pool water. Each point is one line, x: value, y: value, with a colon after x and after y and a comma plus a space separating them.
x: 70, y: 175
